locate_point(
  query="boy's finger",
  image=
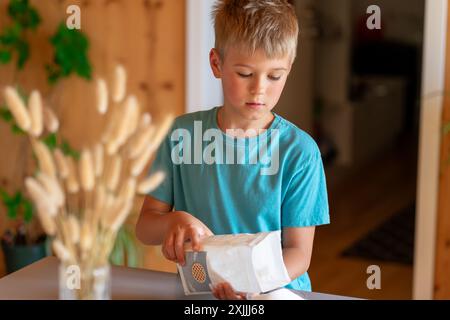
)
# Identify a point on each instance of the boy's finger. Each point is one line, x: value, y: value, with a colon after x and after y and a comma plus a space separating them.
x: 220, y: 291
x: 232, y: 294
x: 208, y: 232
x: 195, y: 239
x: 179, y: 246
x: 229, y: 292
x: 168, y: 247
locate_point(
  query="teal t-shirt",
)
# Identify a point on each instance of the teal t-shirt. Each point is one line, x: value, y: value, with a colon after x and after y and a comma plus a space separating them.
x: 243, y: 185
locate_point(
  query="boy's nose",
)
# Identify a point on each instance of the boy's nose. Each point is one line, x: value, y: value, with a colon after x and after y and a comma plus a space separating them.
x: 258, y: 87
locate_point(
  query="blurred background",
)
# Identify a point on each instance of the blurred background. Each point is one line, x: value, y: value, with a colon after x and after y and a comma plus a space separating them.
x: 356, y: 91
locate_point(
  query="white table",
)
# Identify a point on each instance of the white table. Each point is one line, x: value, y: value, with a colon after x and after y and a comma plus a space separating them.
x: 39, y: 281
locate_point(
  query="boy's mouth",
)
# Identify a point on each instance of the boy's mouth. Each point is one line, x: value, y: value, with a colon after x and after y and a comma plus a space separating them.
x: 254, y: 105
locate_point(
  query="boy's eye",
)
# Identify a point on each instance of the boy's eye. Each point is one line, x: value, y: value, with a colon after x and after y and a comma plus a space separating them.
x: 244, y: 75
x: 274, y: 78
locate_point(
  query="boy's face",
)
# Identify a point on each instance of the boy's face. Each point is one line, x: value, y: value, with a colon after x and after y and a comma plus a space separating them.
x: 252, y: 84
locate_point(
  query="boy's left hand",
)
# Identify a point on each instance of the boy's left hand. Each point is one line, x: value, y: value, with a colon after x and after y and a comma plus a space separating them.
x: 224, y: 291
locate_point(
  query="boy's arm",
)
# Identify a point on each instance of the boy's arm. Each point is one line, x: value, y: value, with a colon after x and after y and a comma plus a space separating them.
x: 152, y: 224
x: 297, y: 250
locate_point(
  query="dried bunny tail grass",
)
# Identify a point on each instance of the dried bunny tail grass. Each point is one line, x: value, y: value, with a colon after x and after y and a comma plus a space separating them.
x: 53, y: 189
x: 121, y: 214
x: 129, y: 113
x: 36, y: 115
x: 146, y: 119
x: 45, y: 159
x: 61, y: 163
x: 133, y: 121
x: 138, y: 145
x: 98, y: 160
x: 51, y: 122
x: 45, y: 208
x: 87, y: 174
x: 86, y: 237
x: 17, y: 108
x: 74, y: 227
x: 109, y: 208
x: 111, y: 125
x: 61, y: 251
x: 150, y: 183
x: 139, y: 164
x: 128, y: 189
x: 72, y: 181
x: 100, y: 203
x: 162, y: 131
x: 113, y: 173
x: 102, y: 96
x: 120, y: 84
x: 111, y: 148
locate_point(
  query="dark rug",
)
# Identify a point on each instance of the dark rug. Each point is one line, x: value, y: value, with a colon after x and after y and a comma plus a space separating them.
x: 392, y: 240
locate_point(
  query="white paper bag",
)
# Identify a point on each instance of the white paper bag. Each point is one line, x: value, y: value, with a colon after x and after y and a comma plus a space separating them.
x: 251, y: 263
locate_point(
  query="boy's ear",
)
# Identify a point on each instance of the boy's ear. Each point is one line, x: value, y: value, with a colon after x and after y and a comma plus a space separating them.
x: 214, y: 60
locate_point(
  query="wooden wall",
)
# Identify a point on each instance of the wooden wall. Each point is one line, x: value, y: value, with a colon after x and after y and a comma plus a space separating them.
x: 146, y: 36
x: 442, y: 270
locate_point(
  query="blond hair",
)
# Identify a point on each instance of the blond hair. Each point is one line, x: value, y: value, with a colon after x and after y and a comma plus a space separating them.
x: 249, y: 25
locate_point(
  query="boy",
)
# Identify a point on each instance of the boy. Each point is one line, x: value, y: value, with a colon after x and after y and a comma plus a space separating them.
x: 248, y: 170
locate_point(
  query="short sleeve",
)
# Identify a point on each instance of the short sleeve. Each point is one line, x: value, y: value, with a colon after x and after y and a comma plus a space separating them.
x: 305, y: 201
x: 163, y: 162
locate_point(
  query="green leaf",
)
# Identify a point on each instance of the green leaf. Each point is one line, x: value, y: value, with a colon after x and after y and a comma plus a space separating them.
x: 51, y: 141
x: 17, y: 198
x: 5, y: 114
x: 23, y: 51
x: 16, y: 130
x: 23, y: 13
x: 68, y: 151
x: 53, y: 74
x: 5, y: 56
x: 27, y: 211
x: 70, y: 56
x: 117, y: 256
x: 11, y: 35
x: 4, y: 195
x: 131, y: 251
x: 12, y: 212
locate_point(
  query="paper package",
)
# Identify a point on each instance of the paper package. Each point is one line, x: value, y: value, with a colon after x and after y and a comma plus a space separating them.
x: 251, y: 263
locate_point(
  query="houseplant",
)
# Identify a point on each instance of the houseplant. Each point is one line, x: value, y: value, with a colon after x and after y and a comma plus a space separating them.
x: 21, y: 247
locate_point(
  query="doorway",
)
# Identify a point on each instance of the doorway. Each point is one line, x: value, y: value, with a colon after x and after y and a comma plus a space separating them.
x: 357, y: 92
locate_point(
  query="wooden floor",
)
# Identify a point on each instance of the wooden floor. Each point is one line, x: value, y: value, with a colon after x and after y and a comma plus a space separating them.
x: 362, y: 202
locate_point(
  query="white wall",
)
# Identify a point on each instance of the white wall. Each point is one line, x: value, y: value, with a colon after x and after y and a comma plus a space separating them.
x: 333, y: 73
x: 203, y: 91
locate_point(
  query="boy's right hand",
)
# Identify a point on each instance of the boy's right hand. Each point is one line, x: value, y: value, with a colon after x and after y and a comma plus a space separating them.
x: 183, y: 227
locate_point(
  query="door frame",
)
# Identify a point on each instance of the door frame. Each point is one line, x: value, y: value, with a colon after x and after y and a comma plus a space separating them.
x: 433, y: 74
